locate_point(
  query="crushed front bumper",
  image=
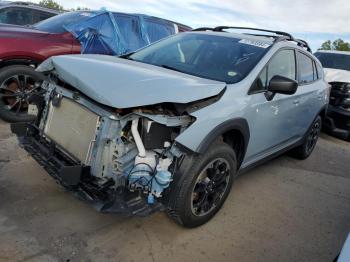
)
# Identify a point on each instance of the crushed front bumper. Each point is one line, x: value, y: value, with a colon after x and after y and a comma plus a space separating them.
x: 76, y: 177
x: 337, y: 122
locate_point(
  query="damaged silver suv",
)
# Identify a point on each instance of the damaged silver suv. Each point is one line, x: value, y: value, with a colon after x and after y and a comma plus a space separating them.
x: 170, y: 126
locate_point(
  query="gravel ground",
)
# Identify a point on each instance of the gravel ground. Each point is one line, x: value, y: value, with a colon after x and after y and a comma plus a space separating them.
x: 285, y: 210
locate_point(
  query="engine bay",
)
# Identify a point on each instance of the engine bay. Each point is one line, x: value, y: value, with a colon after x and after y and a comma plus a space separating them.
x: 134, y: 151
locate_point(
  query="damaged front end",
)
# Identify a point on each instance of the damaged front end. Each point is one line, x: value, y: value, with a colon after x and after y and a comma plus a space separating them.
x: 120, y: 161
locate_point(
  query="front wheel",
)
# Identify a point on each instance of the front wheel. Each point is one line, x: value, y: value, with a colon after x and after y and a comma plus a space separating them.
x: 17, y: 83
x: 201, y: 191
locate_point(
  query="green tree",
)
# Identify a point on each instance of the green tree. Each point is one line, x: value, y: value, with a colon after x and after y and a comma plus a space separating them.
x: 326, y: 45
x: 339, y: 45
x: 81, y: 8
x: 51, y: 4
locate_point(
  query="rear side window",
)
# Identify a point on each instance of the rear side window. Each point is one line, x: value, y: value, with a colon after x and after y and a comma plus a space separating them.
x: 306, y: 69
x: 282, y: 64
x: 40, y: 15
x: 16, y: 16
x: 158, y: 29
x: 130, y: 30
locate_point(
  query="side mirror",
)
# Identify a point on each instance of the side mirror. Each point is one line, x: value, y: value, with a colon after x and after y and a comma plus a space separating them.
x: 281, y: 85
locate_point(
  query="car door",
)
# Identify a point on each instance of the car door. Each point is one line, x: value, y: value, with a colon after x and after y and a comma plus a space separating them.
x: 309, y: 96
x: 272, y: 123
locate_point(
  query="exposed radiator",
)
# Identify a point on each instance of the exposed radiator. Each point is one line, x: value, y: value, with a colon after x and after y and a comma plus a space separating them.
x: 73, y: 127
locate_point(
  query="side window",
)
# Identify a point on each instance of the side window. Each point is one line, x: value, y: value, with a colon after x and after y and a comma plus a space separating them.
x: 158, y: 28
x: 3, y: 15
x: 306, y: 69
x: 40, y: 15
x: 17, y: 16
x: 130, y: 30
x: 319, y: 71
x: 282, y: 64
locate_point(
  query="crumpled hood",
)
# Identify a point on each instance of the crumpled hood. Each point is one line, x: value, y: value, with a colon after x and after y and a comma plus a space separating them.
x: 336, y: 75
x: 122, y: 83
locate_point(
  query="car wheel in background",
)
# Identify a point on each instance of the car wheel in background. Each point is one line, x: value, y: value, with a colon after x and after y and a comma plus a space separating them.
x: 17, y: 83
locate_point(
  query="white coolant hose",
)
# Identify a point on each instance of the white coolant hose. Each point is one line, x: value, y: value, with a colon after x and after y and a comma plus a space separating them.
x: 137, y: 138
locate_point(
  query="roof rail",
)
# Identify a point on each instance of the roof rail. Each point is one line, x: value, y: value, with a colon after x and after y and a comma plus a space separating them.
x: 280, y: 35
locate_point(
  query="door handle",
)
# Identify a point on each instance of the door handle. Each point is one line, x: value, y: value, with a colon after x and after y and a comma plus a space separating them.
x: 296, y: 102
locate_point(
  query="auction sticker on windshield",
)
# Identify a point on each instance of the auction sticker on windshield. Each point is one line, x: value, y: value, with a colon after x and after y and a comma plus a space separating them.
x: 254, y: 43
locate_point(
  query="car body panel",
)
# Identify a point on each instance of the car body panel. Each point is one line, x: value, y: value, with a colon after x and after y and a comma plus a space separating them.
x: 24, y: 42
x: 336, y: 75
x: 170, y: 121
x: 286, y: 119
x: 285, y: 125
x: 122, y: 83
x: 344, y: 255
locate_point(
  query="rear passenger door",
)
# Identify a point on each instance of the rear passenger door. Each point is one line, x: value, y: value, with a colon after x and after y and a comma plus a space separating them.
x: 308, y: 98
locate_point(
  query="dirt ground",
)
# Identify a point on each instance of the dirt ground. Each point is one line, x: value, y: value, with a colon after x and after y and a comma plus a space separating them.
x: 285, y: 210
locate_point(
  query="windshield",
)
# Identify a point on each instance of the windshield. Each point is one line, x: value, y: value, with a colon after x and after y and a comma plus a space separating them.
x: 336, y: 61
x: 56, y: 24
x: 221, y: 58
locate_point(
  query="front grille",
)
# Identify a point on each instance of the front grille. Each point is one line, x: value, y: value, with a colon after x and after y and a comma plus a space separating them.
x: 340, y: 94
x: 73, y: 127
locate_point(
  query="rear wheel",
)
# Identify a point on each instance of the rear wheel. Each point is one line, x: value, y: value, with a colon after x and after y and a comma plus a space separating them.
x: 304, y: 151
x: 17, y: 83
x: 202, y: 190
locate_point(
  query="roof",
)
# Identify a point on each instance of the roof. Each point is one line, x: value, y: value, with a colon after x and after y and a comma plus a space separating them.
x: 28, y: 5
x: 334, y: 52
x: 264, y: 39
x: 273, y: 35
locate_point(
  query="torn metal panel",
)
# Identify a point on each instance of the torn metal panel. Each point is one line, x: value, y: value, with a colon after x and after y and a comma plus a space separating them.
x: 123, y: 83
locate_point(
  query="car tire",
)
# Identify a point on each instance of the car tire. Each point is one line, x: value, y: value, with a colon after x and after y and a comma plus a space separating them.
x: 28, y: 76
x: 192, y: 189
x: 305, y: 149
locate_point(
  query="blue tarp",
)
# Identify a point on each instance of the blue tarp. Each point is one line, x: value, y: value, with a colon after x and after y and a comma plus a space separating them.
x: 113, y: 33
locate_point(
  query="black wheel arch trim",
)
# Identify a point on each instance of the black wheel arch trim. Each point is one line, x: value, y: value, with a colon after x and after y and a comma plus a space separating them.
x: 236, y: 124
x: 18, y: 61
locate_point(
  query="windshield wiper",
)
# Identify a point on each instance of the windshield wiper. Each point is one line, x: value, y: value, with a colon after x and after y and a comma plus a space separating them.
x: 127, y: 56
x: 172, y: 68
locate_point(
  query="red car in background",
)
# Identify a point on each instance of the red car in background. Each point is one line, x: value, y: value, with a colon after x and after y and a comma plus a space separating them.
x: 22, y: 49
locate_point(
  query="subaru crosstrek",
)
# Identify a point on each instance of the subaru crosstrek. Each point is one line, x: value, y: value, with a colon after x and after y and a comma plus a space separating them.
x: 170, y: 126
